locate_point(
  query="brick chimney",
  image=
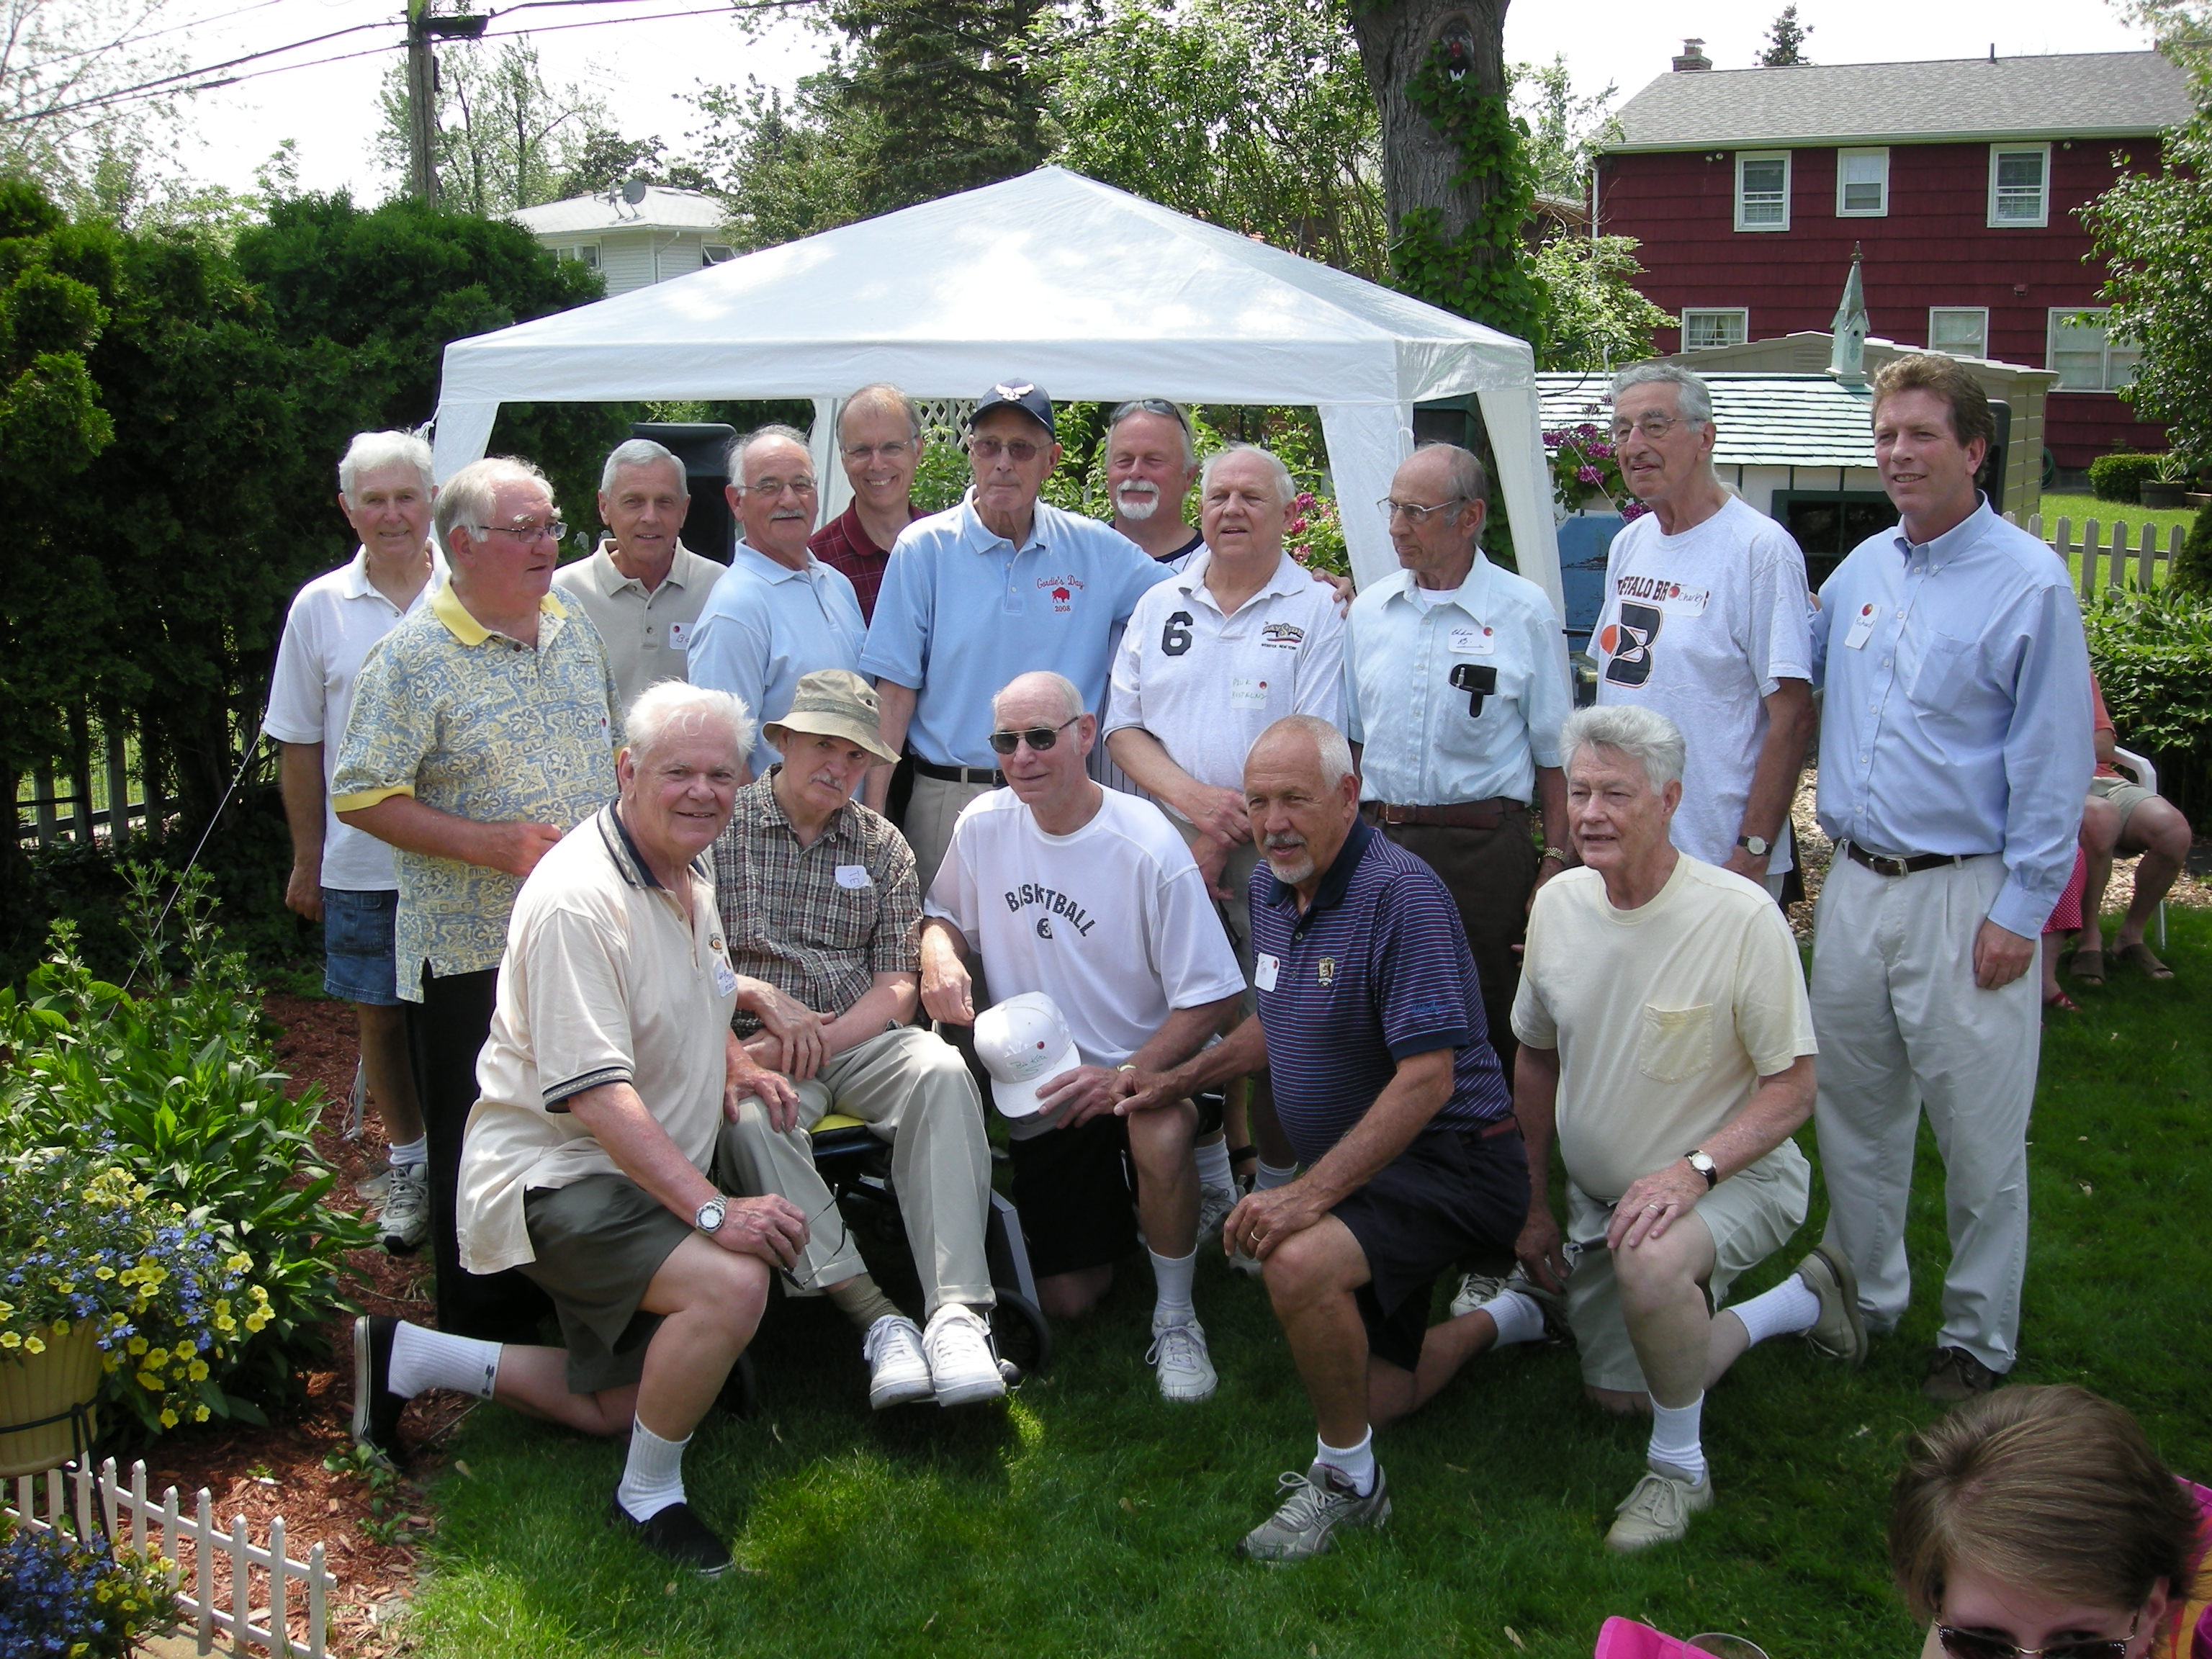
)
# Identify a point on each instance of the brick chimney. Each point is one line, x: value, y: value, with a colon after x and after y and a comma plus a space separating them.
x: 1693, y: 58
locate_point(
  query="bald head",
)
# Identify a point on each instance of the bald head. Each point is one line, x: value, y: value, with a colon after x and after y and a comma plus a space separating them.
x: 1302, y: 796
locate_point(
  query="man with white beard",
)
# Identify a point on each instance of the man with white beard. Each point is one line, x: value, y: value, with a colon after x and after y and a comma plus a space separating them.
x: 1152, y: 463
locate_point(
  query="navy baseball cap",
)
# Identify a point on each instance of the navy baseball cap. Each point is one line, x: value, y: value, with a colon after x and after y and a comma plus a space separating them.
x: 1018, y: 394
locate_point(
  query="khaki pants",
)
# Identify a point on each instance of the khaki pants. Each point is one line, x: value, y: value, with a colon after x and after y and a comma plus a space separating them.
x: 930, y: 815
x: 911, y: 1089
x: 1902, y: 1027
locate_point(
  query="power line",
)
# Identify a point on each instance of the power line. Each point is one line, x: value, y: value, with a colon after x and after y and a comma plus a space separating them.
x: 150, y: 34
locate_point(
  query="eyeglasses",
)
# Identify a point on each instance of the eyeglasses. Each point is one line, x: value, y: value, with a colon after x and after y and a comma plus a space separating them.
x: 1039, y: 738
x: 1971, y: 1644
x: 802, y: 1284
x: 1654, y: 427
x: 524, y: 532
x: 1021, y: 451
x: 774, y: 487
x: 1416, y: 514
x: 860, y: 455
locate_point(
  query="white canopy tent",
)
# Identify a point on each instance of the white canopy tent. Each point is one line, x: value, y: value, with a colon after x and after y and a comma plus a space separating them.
x: 1055, y: 279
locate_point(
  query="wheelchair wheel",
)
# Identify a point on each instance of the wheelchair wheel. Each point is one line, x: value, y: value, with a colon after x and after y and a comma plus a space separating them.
x: 1020, y: 1334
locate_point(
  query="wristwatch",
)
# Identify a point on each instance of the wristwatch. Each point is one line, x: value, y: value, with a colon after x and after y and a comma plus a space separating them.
x: 708, y: 1218
x: 1758, y: 846
x: 1706, y: 1167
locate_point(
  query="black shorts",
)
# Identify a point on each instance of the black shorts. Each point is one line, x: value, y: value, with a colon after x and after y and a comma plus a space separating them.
x: 1076, y: 1195
x: 1451, y: 1193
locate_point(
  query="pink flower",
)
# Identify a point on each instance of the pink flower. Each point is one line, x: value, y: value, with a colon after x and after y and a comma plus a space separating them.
x: 1587, y: 475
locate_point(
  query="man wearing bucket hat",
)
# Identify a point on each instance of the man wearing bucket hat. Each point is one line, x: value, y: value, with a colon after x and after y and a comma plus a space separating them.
x: 817, y: 899
x: 1089, y: 897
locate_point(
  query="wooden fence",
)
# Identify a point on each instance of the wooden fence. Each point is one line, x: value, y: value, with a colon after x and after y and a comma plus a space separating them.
x: 2122, y: 559
x: 262, y: 1580
x: 110, y: 789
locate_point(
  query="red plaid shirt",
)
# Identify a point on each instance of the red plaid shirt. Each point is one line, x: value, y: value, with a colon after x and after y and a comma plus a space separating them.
x: 843, y: 545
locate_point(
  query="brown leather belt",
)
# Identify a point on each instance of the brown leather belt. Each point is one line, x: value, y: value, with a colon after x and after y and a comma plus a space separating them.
x: 959, y: 774
x: 1491, y: 1130
x: 1467, y: 815
x: 1905, y: 866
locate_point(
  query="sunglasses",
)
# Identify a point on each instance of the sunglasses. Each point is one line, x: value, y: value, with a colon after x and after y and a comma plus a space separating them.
x: 1971, y: 1644
x: 1039, y: 738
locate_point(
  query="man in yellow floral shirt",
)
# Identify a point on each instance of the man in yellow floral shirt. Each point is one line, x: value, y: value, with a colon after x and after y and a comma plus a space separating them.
x: 483, y: 727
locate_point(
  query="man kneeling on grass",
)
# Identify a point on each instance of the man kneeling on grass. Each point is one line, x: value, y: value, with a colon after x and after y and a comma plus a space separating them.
x: 1370, y: 1022
x: 607, y: 1079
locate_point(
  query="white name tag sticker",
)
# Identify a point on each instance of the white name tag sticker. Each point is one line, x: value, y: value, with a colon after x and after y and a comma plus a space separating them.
x: 726, y: 978
x: 1686, y: 601
x: 1473, y: 640
x: 855, y: 875
x: 1247, y: 693
x: 1862, y: 628
x: 1265, y: 968
x: 679, y: 636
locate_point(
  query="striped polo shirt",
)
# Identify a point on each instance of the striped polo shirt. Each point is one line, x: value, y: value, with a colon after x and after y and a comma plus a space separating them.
x: 1377, y: 969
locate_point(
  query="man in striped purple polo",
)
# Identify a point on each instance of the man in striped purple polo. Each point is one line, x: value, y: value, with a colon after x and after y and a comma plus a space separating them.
x: 1371, y: 1025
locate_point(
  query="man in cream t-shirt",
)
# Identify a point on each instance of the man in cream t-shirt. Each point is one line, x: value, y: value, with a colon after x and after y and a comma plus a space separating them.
x: 1666, y: 1037
x: 1706, y: 619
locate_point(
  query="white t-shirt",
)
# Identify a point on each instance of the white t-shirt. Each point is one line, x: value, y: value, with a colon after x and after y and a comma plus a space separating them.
x: 1207, y: 685
x: 333, y: 622
x: 1113, y: 922
x: 1665, y: 1017
x: 1703, y: 627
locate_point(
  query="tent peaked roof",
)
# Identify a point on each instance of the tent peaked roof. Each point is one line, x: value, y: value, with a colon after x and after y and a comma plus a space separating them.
x: 1051, y: 276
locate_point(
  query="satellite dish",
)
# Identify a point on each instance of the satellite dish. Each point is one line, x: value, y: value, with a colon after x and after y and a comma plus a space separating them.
x: 633, y: 190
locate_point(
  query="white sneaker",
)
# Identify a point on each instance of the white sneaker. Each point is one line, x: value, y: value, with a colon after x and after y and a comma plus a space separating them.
x: 962, y: 1367
x: 898, y: 1375
x: 1244, y: 1263
x: 1214, y: 1204
x: 1179, y: 1352
x: 405, y: 1220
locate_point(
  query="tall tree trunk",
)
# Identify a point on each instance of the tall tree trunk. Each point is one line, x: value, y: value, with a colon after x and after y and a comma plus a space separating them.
x: 1419, y: 163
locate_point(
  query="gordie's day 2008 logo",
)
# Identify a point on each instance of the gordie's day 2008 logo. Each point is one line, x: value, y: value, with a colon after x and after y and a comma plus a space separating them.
x: 1063, y: 590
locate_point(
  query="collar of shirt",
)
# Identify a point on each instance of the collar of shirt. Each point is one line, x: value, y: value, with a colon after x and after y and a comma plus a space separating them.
x: 628, y: 862
x: 468, y: 630
x: 1287, y: 580
x: 772, y: 570
x: 357, y: 584
x: 1334, y: 880
x: 847, y: 525
x: 610, y: 580
x: 1472, y: 595
x: 1947, y: 546
x: 841, y: 828
x: 984, y: 539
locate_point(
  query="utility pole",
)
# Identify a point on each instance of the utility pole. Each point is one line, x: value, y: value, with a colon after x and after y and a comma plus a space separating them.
x: 423, y: 90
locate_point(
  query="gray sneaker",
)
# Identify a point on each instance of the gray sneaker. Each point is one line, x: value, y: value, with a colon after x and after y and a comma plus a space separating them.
x: 1214, y: 1204
x: 1315, y: 1505
x: 1840, y: 1331
x: 1658, y: 1510
x: 1476, y: 1289
x: 405, y: 1220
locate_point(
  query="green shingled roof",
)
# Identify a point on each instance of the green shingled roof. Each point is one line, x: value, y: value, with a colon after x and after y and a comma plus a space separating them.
x: 1760, y: 420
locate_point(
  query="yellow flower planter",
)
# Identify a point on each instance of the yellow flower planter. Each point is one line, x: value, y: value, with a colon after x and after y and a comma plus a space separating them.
x: 47, y: 1385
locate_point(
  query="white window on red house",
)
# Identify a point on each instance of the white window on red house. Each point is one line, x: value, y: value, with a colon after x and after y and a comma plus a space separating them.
x: 2020, y: 185
x: 2085, y: 355
x: 1861, y: 183
x: 1704, y: 329
x: 1762, y: 189
x: 1959, y: 331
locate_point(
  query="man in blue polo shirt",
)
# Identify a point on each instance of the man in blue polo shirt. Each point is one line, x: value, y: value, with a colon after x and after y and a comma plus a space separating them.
x: 1003, y: 584
x: 1371, y: 1025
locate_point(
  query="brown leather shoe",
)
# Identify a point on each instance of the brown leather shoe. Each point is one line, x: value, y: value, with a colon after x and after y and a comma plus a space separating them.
x: 1955, y: 1374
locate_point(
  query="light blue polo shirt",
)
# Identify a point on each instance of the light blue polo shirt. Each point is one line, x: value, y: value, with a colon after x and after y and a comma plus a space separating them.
x: 766, y: 625
x: 962, y: 610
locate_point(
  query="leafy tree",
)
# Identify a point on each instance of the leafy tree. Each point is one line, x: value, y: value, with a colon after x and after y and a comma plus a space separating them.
x: 1595, y: 318
x: 63, y: 64
x: 506, y: 139
x: 1564, y: 131
x: 1785, y: 41
x: 603, y: 158
x: 786, y: 169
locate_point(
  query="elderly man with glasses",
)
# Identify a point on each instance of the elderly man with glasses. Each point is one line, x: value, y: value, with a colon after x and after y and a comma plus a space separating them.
x: 778, y: 613
x: 880, y: 445
x: 1089, y: 897
x: 1001, y: 584
x: 1456, y: 685
x: 483, y: 729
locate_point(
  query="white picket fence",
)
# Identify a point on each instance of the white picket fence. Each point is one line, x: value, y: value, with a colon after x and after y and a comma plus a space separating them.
x: 2112, y: 550
x: 254, y: 1619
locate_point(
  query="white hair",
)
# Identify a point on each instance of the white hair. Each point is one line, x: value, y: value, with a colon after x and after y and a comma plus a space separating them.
x: 468, y: 495
x: 1165, y: 410
x: 675, y: 707
x: 1330, y: 745
x: 370, y: 450
x: 1645, y: 735
x: 642, y: 452
x: 1693, y: 401
x: 1071, y: 698
x: 1286, y: 488
x: 734, y: 457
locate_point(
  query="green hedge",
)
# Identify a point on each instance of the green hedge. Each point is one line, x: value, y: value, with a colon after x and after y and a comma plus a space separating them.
x: 2151, y: 651
x: 2117, y: 478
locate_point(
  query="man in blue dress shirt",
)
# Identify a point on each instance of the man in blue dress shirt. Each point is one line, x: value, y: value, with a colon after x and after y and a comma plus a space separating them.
x: 1955, y: 754
x: 778, y: 613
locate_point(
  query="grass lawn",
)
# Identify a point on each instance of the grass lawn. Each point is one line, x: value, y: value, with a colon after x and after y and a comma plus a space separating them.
x: 1085, y: 1518
x: 2081, y: 508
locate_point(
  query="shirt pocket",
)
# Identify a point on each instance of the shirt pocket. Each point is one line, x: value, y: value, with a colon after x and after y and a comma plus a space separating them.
x: 845, y: 921
x: 1675, y: 1043
x: 1941, y: 672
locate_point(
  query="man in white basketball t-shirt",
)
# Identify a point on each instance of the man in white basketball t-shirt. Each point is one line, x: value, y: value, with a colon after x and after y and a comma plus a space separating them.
x: 1089, y: 897
x: 1707, y: 620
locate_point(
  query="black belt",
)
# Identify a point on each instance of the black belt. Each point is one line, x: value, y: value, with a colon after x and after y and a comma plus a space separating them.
x: 959, y: 774
x: 1910, y: 865
x: 1466, y: 815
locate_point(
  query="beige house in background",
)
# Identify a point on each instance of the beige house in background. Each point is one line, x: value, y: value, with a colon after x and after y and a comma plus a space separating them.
x: 663, y: 233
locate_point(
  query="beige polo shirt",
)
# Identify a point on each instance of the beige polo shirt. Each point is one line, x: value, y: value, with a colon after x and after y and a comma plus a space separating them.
x: 647, y: 635
x: 604, y: 982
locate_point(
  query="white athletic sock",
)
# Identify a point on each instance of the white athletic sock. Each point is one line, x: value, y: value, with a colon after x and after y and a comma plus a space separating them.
x: 1356, y: 1464
x: 407, y: 1154
x: 437, y: 1359
x: 1212, y: 1157
x: 652, y: 1478
x: 1174, y: 1275
x: 1789, y: 1308
x: 1674, y: 1439
x: 1517, y: 1316
x: 1271, y: 1176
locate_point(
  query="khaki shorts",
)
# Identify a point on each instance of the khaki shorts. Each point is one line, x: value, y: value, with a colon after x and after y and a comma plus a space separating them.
x: 2124, y: 794
x: 1751, y: 1215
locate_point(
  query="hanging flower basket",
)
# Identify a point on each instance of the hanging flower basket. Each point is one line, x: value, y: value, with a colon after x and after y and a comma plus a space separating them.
x: 52, y: 1389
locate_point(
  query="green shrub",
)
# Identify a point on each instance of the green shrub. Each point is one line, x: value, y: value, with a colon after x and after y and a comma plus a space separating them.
x: 2192, y: 568
x: 2117, y: 478
x: 2149, y: 651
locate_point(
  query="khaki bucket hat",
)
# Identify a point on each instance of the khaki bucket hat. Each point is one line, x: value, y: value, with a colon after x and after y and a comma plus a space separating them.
x: 834, y: 702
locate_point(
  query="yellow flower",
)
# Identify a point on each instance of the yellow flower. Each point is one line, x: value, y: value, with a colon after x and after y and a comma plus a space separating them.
x: 10, y: 1340
x: 149, y: 1381
x: 225, y: 1323
x: 199, y: 1413
x: 196, y: 1370
x: 155, y: 1356
x: 239, y: 1262
x: 7, y: 1310
x: 136, y: 1345
x: 168, y: 1418
x: 32, y: 1345
x: 255, y: 1320
x: 103, y: 1272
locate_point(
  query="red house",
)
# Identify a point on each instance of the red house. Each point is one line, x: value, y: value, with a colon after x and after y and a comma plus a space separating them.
x: 1749, y: 188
